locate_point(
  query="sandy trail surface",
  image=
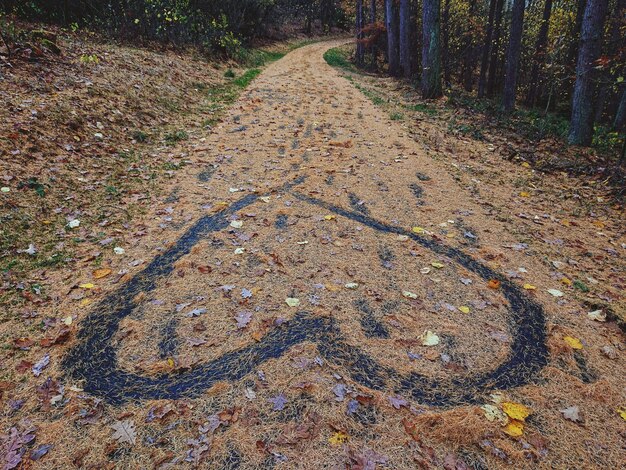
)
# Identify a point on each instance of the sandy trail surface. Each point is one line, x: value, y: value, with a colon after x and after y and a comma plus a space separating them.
x: 318, y: 292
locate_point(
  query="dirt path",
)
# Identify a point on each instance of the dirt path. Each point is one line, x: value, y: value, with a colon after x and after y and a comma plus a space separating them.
x: 316, y: 291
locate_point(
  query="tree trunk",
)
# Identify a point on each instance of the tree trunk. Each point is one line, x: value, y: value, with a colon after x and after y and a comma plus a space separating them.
x: 360, y: 50
x: 374, y: 50
x: 431, y: 60
x: 484, y: 62
x: 581, y: 126
x: 393, y: 55
x: 619, y: 124
x: 540, y: 51
x: 513, y: 55
x: 495, y: 48
x: 469, y: 56
x: 405, y: 29
x: 573, y: 49
x: 445, y: 33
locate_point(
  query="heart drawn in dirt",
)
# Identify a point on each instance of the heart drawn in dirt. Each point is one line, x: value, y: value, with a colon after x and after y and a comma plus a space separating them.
x: 93, y: 359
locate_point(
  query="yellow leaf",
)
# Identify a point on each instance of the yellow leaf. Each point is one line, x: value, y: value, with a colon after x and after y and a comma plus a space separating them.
x: 418, y: 230
x: 598, y: 224
x: 526, y: 165
x: 85, y: 302
x: 338, y: 438
x: 622, y: 412
x: 573, y: 342
x: 566, y: 281
x: 529, y: 287
x: 516, y: 411
x: 100, y: 273
x: 515, y: 428
x: 464, y: 309
x: 524, y: 194
x: 170, y: 362
x: 87, y: 285
x: 67, y: 320
x: 436, y: 265
x: 292, y: 301
x: 329, y: 217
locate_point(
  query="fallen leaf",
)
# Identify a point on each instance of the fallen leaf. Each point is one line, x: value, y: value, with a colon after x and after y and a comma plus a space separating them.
x: 429, y: 338
x: 279, y: 402
x: 338, y: 438
x: 236, y: 224
x: 351, y: 285
x: 572, y: 413
x: 574, y: 343
x: 464, y: 309
x: 41, y: 365
x: 87, y: 285
x: 100, y: 273
x: 124, y: 431
x: 243, y: 318
x: 555, y: 292
x: 622, y: 412
x: 493, y: 284
x: 493, y: 413
x: 516, y: 411
x: 40, y: 451
x: 437, y: 265
x: 529, y: 287
x: 292, y: 301
x: 418, y: 230
x: 597, y: 315
x: 409, y: 295
x: 514, y: 428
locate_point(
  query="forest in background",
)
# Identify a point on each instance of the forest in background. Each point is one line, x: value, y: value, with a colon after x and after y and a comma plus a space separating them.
x: 554, y: 57
x: 564, y: 57
x: 220, y: 28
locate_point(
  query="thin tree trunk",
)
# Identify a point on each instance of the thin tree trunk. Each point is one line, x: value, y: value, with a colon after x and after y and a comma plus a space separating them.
x: 573, y: 49
x: 405, y: 29
x: 431, y: 55
x: 393, y: 55
x: 484, y: 63
x: 445, y: 33
x: 495, y: 48
x: 513, y: 55
x: 540, y: 51
x: 469, y: 57
x: 581, y: 126
x: 360, y: 50
x: 374, y: 50
x: 619, y: 123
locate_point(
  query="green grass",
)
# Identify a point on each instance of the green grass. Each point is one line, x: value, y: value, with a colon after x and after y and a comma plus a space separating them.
x: 422, y: 108
x: 396, y: 116
x: 244, y: 80
x: 176, y: 136
x: 338, y: 57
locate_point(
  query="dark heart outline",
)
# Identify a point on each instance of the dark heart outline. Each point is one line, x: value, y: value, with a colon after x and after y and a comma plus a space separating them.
x: 93, y: 359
